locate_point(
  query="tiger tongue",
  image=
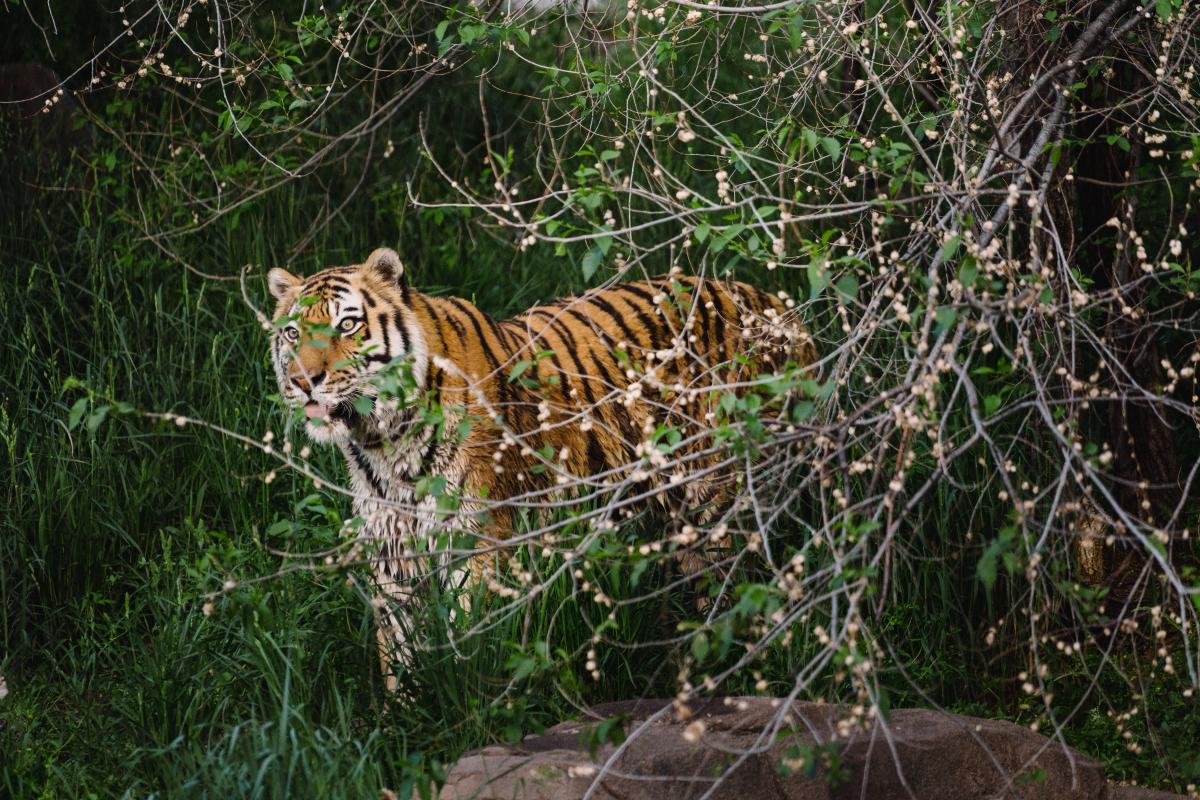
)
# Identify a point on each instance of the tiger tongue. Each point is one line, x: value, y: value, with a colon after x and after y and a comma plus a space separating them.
x: 315, y: 411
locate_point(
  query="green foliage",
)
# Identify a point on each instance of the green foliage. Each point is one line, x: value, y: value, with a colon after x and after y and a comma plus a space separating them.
x: 156, y: 638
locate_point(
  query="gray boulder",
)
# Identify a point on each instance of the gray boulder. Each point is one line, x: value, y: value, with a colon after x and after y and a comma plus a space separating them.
x: 750, y: 747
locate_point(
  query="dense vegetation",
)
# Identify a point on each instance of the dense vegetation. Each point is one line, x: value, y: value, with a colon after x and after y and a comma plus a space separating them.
x: 168, y: 623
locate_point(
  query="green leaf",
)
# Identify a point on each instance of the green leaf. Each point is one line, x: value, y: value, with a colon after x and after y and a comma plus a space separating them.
x: 950, y: 248
x: 802, y: 410
x: 519, y: 369
x: 609, y: 731
x: 639, y: 569
x: 77, y: 411
x: 609, y: 155
x: 810, y: 139
x: 702, y: 231
x: 523, y: 667
x: 1163, y: 7
x: 968, y: 271
x: 591, y: 262
x: 847, y: 287
x: 985, y: 570
x: 833, y: 147
x: 991, y: 404
x: 818, y: 278
x: 699, y: 646
x: 591, y: 200
x: 364, y: 405
x: 440, y: 31
x: 427, y: 485
x: 728, y: 235
x: 96, y: 418
x: 1000, y: 548
x: 469, y: 33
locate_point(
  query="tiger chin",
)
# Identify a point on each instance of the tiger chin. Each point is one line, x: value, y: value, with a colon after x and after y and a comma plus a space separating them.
x: 564, y: 395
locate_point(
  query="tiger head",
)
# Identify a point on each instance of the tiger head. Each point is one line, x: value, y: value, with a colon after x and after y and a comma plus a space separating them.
x: 334, y: 332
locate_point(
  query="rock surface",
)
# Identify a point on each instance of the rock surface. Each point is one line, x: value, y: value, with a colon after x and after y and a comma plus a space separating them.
x: 923, y: 754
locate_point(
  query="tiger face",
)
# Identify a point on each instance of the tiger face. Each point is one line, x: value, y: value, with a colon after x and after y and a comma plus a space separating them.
x: 334, y: 332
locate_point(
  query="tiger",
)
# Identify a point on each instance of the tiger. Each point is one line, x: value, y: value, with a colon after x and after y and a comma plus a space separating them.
x: 567, y: 395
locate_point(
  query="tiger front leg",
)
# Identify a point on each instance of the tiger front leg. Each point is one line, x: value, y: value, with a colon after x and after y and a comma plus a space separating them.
x: 394, y: 604
x: 393, y: 624
x: 396, y: 586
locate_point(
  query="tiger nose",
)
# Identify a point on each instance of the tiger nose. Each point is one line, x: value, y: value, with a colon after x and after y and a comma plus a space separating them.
x: 306, y: 383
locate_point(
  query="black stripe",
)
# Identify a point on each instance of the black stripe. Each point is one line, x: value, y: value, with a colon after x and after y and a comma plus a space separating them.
x: 614, y: 315
x: 658, y: 330
x: 515, y: 332
x: 437, y: 322
x: 503, y: 390
x: 637, y: 289
x: 474, y: 313
x: 702, y: 316
x: 605, y: 350
x: 398, y: 321
x: 466, y: 308
x: 330, y: 282
x: 361, y: 460
x: 591, y: 325
x: 601, y: 364
x: 718, y: 323
x: 367, y: 298
x: 648, y: 322
x: 387, y: 339
x: 499, y: 331
x: 429, y: 445
x: 454, y: 323
x: 561, y: 328
x: 596, y: 460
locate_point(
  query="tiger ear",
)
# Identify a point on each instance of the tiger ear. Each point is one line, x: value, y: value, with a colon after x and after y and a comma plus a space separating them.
x: 281, y: 282
x: 385, y: 263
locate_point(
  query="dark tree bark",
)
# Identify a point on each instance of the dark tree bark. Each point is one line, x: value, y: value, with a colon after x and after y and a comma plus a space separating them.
x: 1146, y: 463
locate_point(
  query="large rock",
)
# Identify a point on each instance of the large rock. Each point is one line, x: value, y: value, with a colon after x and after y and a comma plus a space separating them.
x: 921, y: 754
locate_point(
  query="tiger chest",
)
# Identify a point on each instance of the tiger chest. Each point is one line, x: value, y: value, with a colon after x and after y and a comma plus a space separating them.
x: 401, y: 516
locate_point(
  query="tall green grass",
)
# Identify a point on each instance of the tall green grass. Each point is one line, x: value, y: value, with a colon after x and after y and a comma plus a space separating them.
x: 121, y: 684
x: 119, y: 681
